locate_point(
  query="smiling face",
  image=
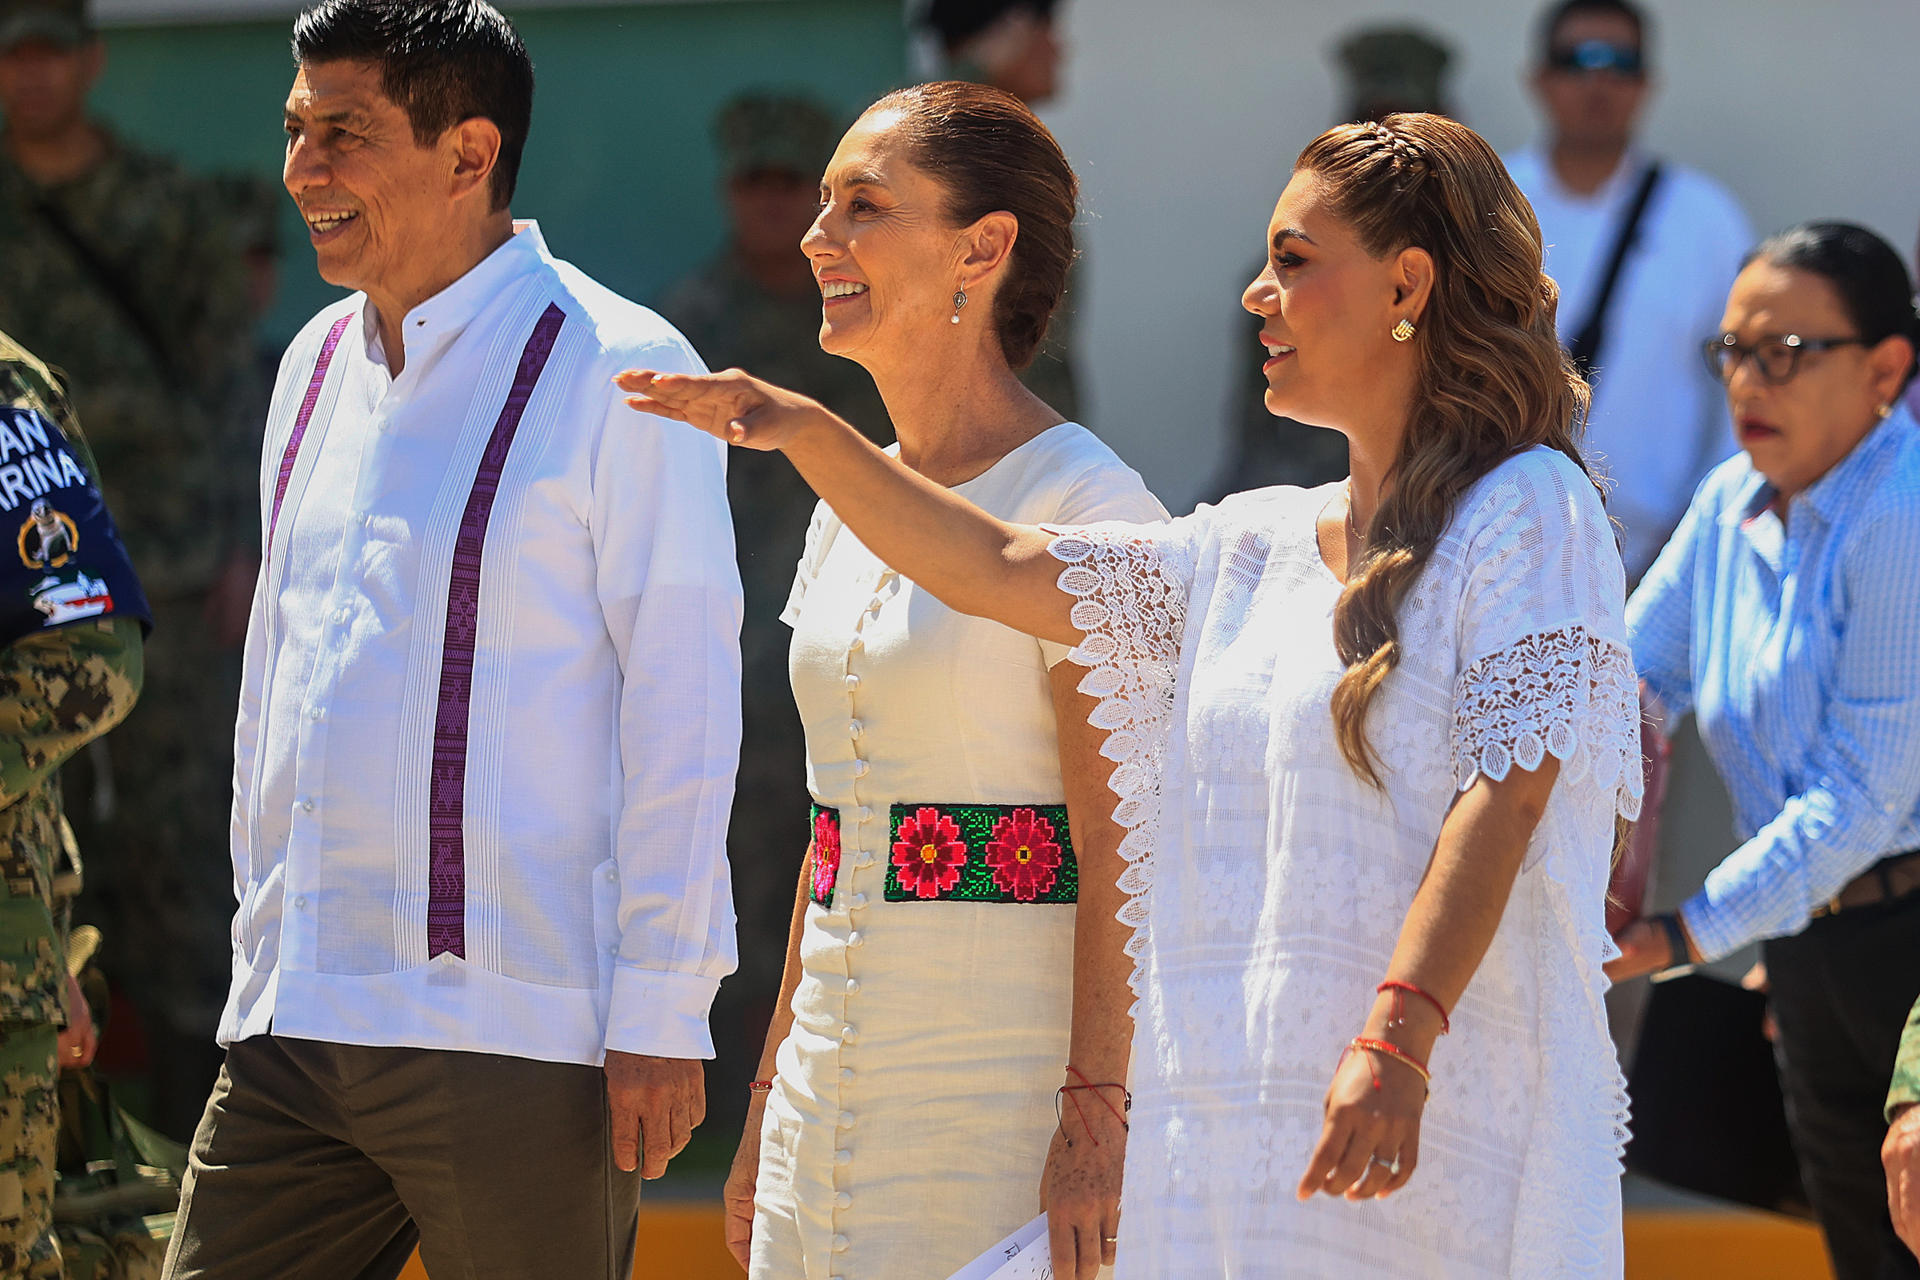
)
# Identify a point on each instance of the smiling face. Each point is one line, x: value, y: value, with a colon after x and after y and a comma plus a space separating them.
x: 883, y: 250
x: 377, y: 204
x: 1797, y: 431
x: 1328, y: 308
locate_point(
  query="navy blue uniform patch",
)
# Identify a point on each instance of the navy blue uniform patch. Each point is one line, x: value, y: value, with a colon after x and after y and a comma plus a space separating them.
x: 61, y: 559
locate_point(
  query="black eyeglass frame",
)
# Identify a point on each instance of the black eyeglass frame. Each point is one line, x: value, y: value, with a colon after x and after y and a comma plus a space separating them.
x: 1716, y: 350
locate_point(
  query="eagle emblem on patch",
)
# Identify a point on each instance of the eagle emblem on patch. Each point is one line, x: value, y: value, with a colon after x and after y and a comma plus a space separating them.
x: 49, y: 538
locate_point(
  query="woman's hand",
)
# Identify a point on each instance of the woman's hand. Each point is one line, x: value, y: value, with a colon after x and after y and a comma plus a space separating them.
x: 1080, y: 1188
x: 732, y: 406
x: 742, y: 1181
x: 1645, y: 947
x: 1370, y: 1142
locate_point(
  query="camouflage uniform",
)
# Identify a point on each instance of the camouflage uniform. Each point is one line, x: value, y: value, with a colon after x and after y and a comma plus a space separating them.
x: 1906, y: 1068
x: 58, y: 690
x: 156, y: 338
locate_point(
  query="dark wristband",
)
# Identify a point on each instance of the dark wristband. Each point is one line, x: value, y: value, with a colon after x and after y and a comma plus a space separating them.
x: 1676, y: 938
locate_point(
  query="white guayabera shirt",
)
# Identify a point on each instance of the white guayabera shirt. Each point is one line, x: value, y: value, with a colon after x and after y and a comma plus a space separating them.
x: 1270, y: 882
x: 490, y: 711
x: 1659, y: 420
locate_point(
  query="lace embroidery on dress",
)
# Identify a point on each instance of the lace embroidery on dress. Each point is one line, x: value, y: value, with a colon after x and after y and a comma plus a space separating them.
x: 1572, y: 694
x: 1132, y: 611
x: 1565, y: 692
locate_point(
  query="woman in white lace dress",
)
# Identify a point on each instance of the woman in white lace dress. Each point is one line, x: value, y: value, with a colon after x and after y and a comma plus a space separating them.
x: 1371, y: 740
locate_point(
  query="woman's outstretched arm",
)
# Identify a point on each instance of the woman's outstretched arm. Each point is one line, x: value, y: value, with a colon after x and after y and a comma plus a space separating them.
x: 972, y: 562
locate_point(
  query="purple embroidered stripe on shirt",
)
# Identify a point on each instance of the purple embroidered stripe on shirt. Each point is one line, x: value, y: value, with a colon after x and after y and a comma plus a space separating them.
x: 446, y: 838
x: 299, y: 433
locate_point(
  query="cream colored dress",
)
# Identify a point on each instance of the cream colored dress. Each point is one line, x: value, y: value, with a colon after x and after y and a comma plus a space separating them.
x: 909, y: 1121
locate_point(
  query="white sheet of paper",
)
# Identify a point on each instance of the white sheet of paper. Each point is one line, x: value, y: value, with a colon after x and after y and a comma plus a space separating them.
x: 1021, y: 1256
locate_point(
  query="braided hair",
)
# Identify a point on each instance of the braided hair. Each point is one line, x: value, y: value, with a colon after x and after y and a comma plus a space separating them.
x: 1492, y: 378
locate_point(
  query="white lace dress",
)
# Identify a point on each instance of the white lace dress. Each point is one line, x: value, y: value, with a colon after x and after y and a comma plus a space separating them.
x: 1269, y: 882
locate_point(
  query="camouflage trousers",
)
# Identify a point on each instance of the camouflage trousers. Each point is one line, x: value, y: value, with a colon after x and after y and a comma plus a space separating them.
x: 120, y: 1250
x: 159, y: 871
x: 29, y: 1140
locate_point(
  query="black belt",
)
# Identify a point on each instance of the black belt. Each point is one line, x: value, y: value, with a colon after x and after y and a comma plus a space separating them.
x: 1892, y: 877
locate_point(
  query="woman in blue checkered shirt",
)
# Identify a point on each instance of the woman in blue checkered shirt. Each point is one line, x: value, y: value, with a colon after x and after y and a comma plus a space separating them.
x: 1785, y: 614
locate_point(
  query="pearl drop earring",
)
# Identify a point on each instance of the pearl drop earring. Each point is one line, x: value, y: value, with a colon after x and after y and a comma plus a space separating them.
x: 959, y: 301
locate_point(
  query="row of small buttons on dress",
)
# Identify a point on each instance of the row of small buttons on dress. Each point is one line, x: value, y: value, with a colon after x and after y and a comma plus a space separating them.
x: 856, y: 856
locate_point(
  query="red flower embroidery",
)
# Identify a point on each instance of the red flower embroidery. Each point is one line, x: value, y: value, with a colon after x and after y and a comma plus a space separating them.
x: 1023, y: 854
x: 826, y: 855
x: 929, y: 853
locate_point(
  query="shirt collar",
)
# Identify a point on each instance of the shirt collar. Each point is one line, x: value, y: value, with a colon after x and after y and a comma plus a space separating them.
x: 456, y: 306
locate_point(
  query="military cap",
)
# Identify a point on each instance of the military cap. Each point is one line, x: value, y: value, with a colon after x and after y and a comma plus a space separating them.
x: 958, y: 21
x: 1394, y: 69
x: 61, y: 22
x: 788, y: 132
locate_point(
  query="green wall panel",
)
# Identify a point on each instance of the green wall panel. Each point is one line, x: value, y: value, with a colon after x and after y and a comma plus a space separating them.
x: 620, y: 168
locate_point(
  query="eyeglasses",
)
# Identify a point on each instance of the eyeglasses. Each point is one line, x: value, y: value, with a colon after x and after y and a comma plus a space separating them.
x: 1778, y: 358
x: 1591, y: 56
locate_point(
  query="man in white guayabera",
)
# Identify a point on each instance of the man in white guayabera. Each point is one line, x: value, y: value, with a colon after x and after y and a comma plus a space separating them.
x: 489, y: 721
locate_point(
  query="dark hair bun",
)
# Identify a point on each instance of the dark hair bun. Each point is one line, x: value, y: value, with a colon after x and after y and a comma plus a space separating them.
x: 993, y: 155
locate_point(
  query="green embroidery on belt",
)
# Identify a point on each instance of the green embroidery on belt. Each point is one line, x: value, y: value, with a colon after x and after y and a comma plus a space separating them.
x: 982, y: 853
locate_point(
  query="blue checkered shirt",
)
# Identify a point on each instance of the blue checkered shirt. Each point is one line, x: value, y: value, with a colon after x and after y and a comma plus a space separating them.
x: 1797, y: 646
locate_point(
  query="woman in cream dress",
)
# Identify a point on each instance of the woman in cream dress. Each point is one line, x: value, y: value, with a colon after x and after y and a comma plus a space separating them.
x: 907, y: 1106
x: 1372, y: 739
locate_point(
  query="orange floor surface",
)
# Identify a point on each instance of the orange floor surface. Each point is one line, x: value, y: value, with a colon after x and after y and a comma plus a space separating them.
x: 683, y: 1242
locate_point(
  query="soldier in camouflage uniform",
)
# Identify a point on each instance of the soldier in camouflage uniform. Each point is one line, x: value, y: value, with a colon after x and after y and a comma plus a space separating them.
x: 1900, y: 1153
x: 70, y: 668
x: 120, y: 269
x: 756, y: 305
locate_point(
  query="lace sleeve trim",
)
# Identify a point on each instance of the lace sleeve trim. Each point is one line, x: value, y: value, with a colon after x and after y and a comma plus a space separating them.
x: 1130, y: 606
x: 1566, y: 693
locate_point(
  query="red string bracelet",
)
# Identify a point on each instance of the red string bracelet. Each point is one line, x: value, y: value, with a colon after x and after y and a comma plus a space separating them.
x: 1400, y: 991
x: 1393, y: 1051
x: 1087, y: 1086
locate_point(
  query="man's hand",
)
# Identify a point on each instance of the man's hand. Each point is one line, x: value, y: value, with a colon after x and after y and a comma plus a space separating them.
x: 77, y: 1041
x: 1900, y: 1154
x: 230, y: 600
x: 656, y: 1104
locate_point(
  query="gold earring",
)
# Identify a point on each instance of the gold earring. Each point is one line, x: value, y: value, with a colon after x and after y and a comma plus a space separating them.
x: 1403, y: 331
x: 959, y: 301
x: 1885, y: 410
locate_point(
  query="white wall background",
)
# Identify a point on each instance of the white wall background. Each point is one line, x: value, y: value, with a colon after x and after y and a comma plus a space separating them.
x: 1183, y: 118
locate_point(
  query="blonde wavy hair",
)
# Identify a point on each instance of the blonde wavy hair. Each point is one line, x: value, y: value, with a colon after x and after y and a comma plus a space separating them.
x: 1493, y: 379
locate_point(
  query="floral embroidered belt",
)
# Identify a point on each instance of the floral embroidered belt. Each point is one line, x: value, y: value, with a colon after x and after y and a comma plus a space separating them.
x: 962, y: 853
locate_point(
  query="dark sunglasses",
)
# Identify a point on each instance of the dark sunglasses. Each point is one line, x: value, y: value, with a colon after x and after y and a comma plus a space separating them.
x: 1590, y: 56
x: 1778, y: 359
